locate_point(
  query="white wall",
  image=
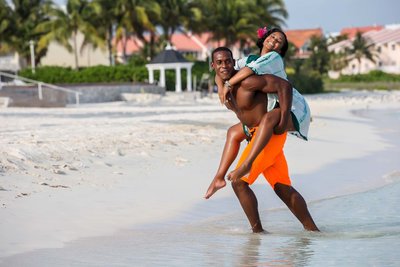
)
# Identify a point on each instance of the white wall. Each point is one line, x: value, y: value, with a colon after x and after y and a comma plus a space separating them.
x: 57, y: 55
x: 387, y: 59
x: 11, y: 62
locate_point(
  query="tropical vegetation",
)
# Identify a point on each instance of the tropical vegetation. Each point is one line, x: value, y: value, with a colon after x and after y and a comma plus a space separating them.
x: 103, y: 23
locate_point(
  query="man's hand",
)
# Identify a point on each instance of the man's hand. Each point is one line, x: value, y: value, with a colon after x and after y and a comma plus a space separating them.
x: 280, y: 129
x: 283, y: 123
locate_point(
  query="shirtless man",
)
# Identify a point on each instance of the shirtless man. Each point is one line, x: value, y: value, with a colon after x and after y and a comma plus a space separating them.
x: 249, y: 102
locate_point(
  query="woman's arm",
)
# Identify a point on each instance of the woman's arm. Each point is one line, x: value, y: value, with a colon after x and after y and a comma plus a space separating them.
x: 237, y: 78
x: 240, y: 76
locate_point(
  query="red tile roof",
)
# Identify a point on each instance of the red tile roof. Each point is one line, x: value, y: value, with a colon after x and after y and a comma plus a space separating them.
x: 132, y: 45
x: 300, y: 37
x: 183, y: 42
x: 351, y: 32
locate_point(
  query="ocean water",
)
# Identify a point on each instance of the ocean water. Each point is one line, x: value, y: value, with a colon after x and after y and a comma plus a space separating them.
x: 357, y: 229
x: 361, y: 229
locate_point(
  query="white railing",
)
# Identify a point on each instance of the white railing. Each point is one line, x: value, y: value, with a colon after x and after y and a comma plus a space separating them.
x: 40, y: 86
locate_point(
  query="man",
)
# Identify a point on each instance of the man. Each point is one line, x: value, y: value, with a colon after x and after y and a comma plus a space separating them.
x: 249, y: 102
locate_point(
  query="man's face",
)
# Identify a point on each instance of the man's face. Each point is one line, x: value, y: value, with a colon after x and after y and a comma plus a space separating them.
x: 223, y: 64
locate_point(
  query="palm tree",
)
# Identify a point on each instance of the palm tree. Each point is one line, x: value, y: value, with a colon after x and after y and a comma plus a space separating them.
x: 65, y: 25
x: 103, y: 20
x: 231, y: 20
x: 270, y: 12
x: 238, y: 20
x: 172, y: 17
x: 361, y: 48
x: 135, y: 17
x: 25, y: 15
x: 5, y: 23
x: 319, y: 57
x: 193, y: 19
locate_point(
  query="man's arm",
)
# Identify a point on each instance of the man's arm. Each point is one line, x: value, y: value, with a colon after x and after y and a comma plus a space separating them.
x: 272, y: 84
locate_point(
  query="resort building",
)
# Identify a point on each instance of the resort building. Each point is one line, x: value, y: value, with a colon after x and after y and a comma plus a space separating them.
x: 301, y: 40
x: 384, y: 45
x: 11, y: 62
x: 192, y: 46
x: 58, y: 55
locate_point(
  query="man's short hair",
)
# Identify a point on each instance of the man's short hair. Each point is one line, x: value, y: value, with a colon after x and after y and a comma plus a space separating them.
x: 219, y: 49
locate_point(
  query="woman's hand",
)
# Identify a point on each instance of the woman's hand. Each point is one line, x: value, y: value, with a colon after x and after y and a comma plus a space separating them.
x: 226, y: 89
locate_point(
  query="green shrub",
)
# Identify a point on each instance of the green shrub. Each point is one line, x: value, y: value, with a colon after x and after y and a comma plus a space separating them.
x: 95, y: 74
x: 372, y: 76
x: 133, y: 72
x: 307, y: 83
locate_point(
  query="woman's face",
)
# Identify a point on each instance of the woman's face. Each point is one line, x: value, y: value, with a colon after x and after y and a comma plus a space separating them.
x: 274, y: 42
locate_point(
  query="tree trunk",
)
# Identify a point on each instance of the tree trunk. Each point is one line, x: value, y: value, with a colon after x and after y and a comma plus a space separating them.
x: 124, y: 45
x: 76, y: 50
x: 152, y: 43
x: 109, y: 44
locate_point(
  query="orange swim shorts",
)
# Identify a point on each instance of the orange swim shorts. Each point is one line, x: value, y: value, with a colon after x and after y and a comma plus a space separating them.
x: 271, y: 161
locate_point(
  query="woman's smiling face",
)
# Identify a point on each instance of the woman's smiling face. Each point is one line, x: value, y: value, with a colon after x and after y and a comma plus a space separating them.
x: 274, y: 42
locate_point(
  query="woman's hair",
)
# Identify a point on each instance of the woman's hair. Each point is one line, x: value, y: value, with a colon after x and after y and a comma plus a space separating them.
x: 285, y: 45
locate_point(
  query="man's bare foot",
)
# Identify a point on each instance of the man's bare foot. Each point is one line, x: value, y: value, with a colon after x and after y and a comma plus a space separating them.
x: 215, y: 185
x: 241, y: 171
x: 311, y: 228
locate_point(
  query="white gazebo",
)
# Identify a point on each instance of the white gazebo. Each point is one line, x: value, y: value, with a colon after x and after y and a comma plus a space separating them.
x: 171, y: 59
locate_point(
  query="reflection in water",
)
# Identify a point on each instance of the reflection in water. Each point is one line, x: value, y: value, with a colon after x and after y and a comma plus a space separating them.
x: 297, y: 252
x: 268, y: 250
x: 249, y: 255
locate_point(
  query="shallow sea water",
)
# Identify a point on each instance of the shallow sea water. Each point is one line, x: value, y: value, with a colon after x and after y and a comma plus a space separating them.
x: 359, y: 229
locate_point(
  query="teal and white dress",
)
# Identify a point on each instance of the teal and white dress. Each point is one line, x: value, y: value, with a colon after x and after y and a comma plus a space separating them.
x: 272, y: 63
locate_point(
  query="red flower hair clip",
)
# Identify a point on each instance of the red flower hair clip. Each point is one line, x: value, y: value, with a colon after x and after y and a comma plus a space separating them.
x: 261, y: 32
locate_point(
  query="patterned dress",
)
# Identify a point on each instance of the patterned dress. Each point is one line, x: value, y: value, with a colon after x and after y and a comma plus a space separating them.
x: 272, y: 63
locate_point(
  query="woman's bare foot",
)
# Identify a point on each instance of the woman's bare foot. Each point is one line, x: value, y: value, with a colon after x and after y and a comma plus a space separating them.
x: 215, y: 185
x: 241, y: 171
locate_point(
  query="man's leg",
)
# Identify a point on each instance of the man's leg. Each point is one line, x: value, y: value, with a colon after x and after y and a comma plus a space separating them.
x: 249, y: 203
x: 296, y: 204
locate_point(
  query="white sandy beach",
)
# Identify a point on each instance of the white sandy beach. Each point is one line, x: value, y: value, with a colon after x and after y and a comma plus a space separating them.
x: 94, y: 170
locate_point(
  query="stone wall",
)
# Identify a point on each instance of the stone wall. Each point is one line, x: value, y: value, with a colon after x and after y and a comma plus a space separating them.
x: 97, y: 93
x: 27, y: 96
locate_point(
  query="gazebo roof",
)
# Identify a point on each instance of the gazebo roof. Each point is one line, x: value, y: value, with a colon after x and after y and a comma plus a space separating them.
x: 170, y: 59
x: 169, y: 56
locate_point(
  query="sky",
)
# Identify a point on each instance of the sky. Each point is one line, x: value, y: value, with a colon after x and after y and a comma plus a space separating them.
x: 333, y: 15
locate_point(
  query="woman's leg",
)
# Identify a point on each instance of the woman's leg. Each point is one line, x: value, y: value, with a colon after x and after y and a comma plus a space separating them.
x: 234, y: 137
x: 261, y: 139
